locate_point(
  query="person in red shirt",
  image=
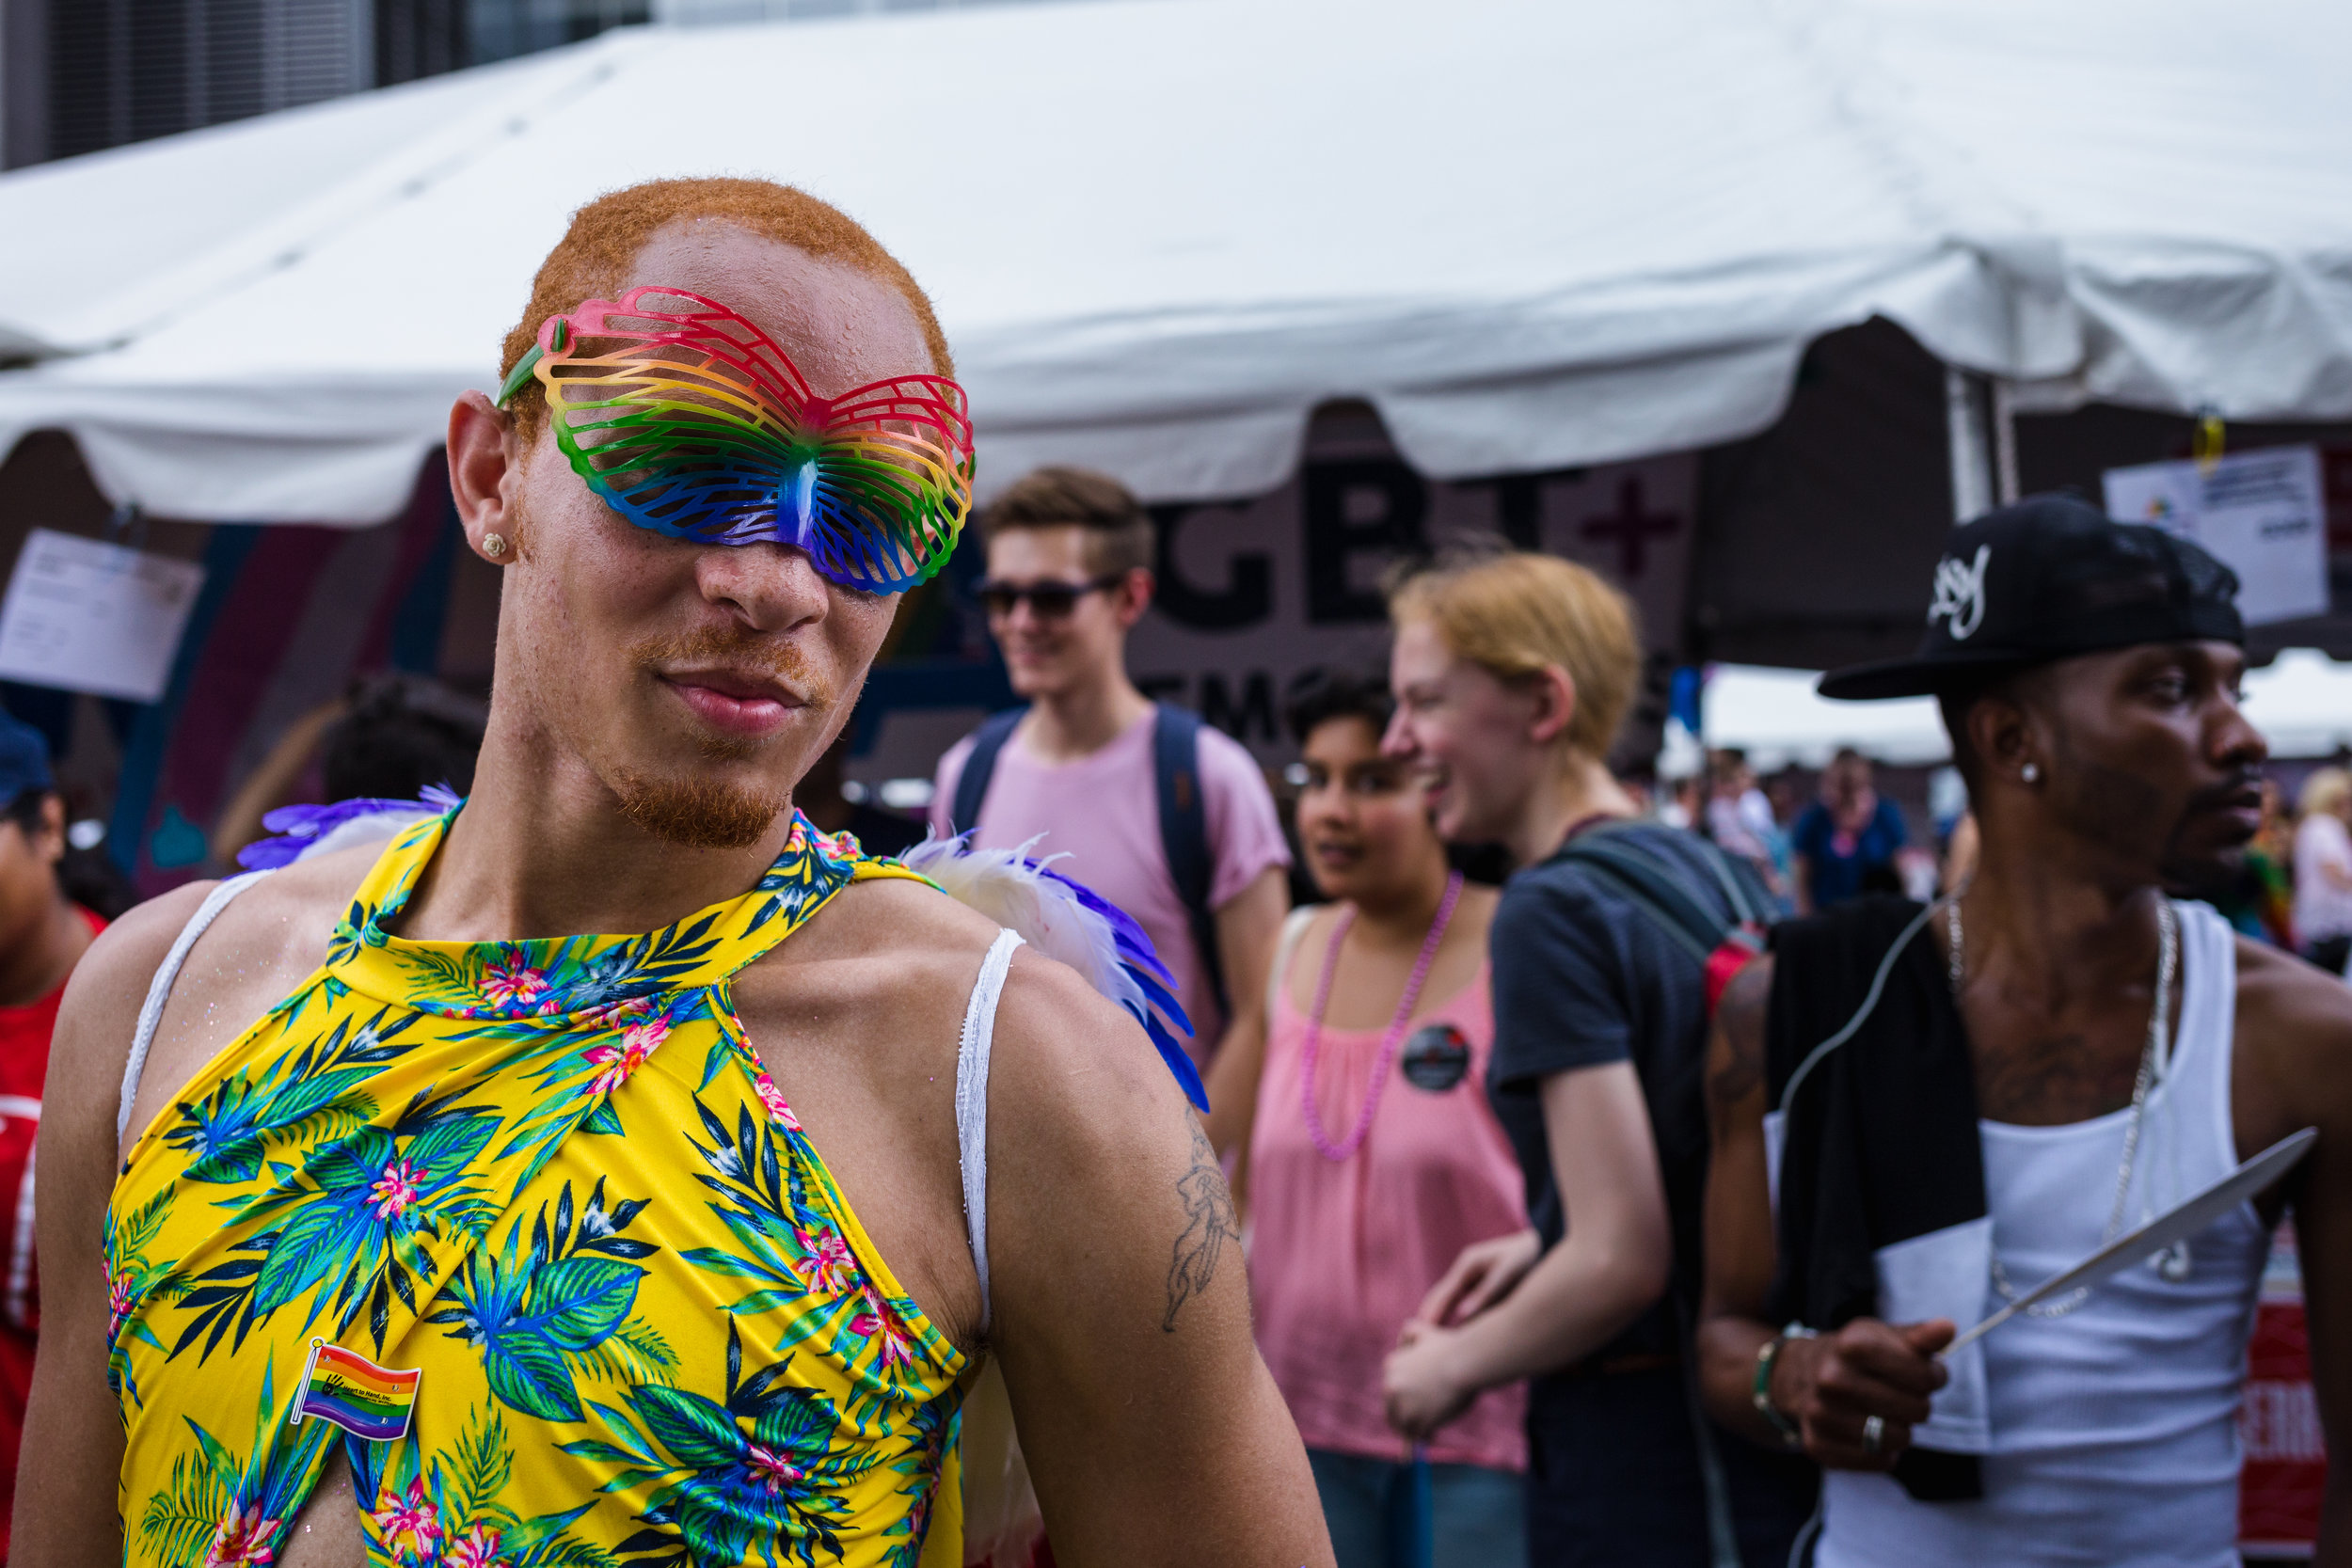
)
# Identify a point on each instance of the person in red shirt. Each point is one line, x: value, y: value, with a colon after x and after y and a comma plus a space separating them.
x: 43, y: 933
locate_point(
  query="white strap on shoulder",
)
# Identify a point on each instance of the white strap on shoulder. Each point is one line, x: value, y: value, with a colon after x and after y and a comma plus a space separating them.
x: 972, y: 1054
x: 159, y: 988
x: 1294, y: 926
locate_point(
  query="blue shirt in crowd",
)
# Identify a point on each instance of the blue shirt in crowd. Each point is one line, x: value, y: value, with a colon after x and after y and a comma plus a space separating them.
x: 1839, y: 872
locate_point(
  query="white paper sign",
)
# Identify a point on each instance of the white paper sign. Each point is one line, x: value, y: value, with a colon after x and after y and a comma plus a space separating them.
x: 2263, y: 513
x: 88, y: 616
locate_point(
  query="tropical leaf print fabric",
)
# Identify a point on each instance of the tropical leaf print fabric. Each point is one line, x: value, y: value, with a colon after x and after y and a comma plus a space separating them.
x: 553, y: 1176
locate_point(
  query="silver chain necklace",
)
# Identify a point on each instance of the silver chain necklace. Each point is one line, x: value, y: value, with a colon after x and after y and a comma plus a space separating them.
x: 2174, y: 1263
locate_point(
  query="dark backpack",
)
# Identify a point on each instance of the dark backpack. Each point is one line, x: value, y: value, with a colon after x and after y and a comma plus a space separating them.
x: 1183, y: 817
x: 1658, y: 888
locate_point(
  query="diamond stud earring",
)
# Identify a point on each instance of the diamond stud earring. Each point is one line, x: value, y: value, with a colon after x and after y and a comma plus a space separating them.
x: 494, y: 543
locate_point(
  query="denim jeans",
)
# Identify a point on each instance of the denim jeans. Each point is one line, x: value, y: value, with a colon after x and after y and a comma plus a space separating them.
x: 1480, y: 1514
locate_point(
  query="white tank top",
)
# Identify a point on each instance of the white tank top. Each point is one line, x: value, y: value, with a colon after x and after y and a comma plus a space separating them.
x: 2114, y: 1428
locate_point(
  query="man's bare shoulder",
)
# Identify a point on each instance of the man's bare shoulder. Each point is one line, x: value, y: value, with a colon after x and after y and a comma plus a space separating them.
x: 890, y: 959
x: 127, y: 952
x: 902, y: 941
x: 1053, y: 1015
x: 2280, y: 994
x: 280, y: 923
x: 258, y: 949
x: 1735, y: 1056
x: 1080, y: 1104
x: 306, y: 897
x: 2295, y: 1038
x: 1745, y: 997
x: 892, y: 917
x: 902, y: 950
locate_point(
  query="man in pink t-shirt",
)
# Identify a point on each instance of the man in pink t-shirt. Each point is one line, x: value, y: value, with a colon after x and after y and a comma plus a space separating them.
x: 1068, y: 572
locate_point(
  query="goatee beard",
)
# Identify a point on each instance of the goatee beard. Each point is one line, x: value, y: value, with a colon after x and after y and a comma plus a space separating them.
x: 700, y: 814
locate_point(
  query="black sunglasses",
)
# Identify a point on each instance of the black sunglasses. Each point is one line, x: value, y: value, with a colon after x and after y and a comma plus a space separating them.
x: 1051, y: 600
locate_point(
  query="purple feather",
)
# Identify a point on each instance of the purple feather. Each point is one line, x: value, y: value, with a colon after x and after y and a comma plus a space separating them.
x: 1142, y: 964
x: 1162, y: 998
x: 299, y: 827
x: 1119, y: 955
x: 1179, y: 1061
x: 1138, y: 957
x: 1133, y: 943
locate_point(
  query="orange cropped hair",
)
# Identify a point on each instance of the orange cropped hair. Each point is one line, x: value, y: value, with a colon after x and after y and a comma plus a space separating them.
x: 1514, y: 613
x: 596, y: 254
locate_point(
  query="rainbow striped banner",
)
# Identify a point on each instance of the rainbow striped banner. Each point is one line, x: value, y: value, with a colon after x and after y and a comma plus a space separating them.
x: 348, y: 1391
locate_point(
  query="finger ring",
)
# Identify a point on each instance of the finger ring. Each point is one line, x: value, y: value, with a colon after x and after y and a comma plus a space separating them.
x: 1873, y: 1433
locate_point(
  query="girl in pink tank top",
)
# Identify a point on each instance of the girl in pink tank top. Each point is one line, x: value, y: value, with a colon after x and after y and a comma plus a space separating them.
x: 1373, y: 1158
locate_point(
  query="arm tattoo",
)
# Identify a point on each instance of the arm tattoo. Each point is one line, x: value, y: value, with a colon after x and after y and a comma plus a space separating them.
x: 1739, y: 1074
x: 1737, y: 1069
x: 1209, y: 1223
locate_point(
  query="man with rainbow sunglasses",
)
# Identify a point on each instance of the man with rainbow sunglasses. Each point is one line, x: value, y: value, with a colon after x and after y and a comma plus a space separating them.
x: 388, y: 1219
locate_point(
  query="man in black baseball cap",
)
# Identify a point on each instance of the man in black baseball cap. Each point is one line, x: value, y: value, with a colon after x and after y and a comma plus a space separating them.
x: 2046, y: 579
x: 1968, y: 1097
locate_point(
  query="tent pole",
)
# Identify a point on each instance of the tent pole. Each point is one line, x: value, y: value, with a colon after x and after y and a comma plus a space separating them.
x: 2005, y: 441
x: 1966, y: 419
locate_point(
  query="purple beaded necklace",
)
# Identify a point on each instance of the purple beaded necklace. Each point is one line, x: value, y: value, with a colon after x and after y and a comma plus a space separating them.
x: 1389, y: 1045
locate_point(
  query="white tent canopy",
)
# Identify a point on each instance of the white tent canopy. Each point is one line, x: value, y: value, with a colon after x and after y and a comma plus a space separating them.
x: 1777, y: 719
x: 1531, y: 234
x: 2301, y: 702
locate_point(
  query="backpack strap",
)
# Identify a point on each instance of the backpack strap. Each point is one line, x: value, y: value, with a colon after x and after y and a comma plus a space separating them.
x: 1722, y: 946
x: 963, y: 814
x: 1651, y: 887
x: 1184, y: 831
x: 1743, y: 887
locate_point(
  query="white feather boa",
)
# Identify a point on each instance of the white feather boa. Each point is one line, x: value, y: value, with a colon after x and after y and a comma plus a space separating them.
x: 1064, y: 919
x: 1015, y: 891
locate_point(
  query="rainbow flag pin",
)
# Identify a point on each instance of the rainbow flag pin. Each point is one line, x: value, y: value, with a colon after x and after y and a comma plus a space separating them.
x: 347, y: 1389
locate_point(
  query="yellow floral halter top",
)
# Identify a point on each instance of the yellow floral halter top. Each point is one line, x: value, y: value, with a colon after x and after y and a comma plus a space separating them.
x: 552, y: 1179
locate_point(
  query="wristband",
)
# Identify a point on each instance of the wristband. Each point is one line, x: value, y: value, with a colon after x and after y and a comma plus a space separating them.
x: 1760, y: 1395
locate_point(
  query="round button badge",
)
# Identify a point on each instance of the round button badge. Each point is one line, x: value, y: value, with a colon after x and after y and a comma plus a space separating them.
x: 1436, y: 1057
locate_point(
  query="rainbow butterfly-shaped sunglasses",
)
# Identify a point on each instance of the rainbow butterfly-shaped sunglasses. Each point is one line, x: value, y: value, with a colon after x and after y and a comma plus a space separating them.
x: 689, y: 420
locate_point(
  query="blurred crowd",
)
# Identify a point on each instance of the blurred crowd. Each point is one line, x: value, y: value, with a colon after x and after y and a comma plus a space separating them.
x: 1816, y: 842
x: 1819, y: 844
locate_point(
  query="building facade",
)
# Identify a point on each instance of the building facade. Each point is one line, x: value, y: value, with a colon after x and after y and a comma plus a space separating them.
x: 81, y: 76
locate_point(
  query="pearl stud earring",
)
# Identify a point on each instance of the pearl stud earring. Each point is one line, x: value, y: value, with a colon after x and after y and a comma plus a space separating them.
x: 2031, y: 772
